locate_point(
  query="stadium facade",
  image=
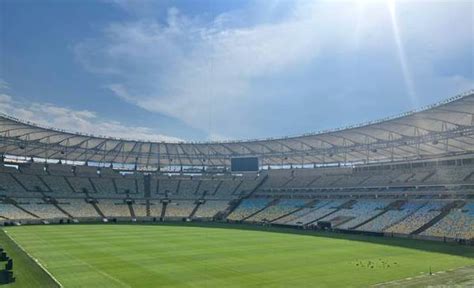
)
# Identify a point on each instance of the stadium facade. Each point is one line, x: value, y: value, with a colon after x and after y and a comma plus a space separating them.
x: 412, y: 174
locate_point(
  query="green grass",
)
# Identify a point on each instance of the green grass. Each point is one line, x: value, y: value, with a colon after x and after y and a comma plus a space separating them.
x: 26, y: 271
x: 191, y: 256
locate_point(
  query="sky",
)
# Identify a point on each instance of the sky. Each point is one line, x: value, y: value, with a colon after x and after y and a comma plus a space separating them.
x: 211, y: 70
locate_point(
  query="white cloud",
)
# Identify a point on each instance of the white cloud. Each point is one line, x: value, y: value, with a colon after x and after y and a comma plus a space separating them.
x: 205, y: 72
x: 83, y: 121
x: 3, y: 84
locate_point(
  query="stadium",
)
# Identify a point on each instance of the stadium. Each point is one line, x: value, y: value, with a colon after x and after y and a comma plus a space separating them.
x: 238, y: 143
x: 372, y: 187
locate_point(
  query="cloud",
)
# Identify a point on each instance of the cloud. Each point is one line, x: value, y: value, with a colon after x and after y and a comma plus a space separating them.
x: 4, y: 85
x: 83, y: 121
x: 222, y: 77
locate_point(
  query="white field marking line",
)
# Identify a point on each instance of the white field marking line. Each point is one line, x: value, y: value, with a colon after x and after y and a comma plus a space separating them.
x: 35, y: 260
x: 420, y: 276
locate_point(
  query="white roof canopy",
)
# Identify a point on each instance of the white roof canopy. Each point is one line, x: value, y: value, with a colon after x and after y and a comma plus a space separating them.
x: 446, y: 128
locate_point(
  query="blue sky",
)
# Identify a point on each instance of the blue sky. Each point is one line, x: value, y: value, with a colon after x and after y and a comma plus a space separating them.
x: 213, y: 70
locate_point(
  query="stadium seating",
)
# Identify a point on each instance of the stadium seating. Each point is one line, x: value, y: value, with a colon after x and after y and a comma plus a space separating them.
x: 419, y: 218
x: 155, y: 208
x: 319, y: 211
x: 103, y: 185
x: 40, y: 208
x: 281, y: 208
x: 58, y: 185
x: 126, y: 185
x: 459, y: 223
x: 140, y: 208
x: 10, y: 212
x: 358, y: 213
x: 78, y: 208
x: 247, y: 208
x: 180, y: 209
x: 391, y: 217
x: 81, y: 185
x: 210, y: 208
x: 284, y: 196
x: 113, y: 208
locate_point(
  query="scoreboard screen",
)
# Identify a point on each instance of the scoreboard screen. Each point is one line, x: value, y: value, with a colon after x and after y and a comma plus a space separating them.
x: 247, y: 164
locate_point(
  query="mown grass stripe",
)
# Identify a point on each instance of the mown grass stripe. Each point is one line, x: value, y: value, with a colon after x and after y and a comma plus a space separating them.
x: 26, y: 271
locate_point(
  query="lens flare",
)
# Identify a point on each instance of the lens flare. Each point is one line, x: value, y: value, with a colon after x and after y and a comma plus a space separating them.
x: 401, y: 54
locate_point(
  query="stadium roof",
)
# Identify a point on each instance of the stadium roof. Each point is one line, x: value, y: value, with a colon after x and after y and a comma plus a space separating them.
x: 445, y: 128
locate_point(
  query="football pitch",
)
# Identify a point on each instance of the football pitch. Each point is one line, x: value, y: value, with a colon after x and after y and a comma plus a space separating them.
x: 193, y: 256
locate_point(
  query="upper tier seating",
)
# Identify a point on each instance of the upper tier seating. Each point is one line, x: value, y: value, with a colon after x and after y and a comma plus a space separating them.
x: 9, y: 186
x: 58, y: 185
x: 86, y: 171
x: 104, y: 186
x: 58, y: 169
x: 126, y: 185
x: 81, y: 185
x: 226, y: 189
x: 31, y: 182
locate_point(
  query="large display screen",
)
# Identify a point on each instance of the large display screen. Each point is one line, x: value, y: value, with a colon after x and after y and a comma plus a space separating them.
x: 246, y: 164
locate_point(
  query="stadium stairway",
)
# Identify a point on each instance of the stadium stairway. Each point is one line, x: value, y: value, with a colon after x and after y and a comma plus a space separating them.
x: 14, y: 203
x: 163, y: 210
x: 148, y: 210
x: 198, y: 204
x: 97, y: 209
x: 394, y: 205
x: 288, y: 181
x: 273, y: 202
x: 312, y: 181
x: 93, y: 186
x: 45, y: 184
x: 19, y: 182
x: 347, y: 204
x: 115, y: 186
x: 130, y: 208
x: 309, y: 204
x: 69, y: 184
x: 444, y: 212
x: 405, y: 217
x: 428, y: 176
x: 147, y: 187
x: 197, y: 188
x: 213, y: 193
x: 235, y: 203
x: 468, y: 177
x: 136, y: 186
x: 55, y: 204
